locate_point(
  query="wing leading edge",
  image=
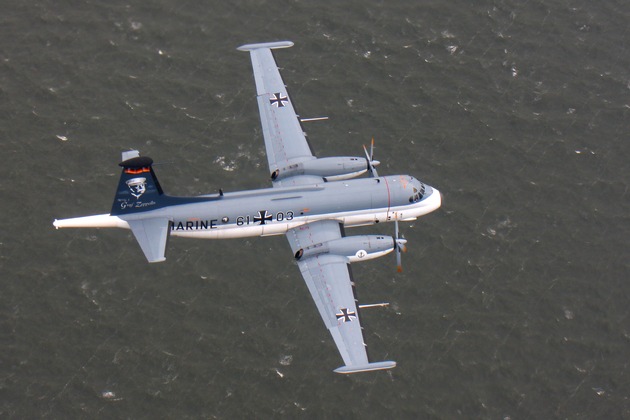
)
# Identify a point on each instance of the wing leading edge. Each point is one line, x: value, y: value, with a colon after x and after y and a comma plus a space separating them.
x: 329, y: 281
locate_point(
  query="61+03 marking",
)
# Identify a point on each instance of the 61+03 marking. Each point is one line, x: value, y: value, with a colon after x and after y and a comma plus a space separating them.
x: 261, y: 218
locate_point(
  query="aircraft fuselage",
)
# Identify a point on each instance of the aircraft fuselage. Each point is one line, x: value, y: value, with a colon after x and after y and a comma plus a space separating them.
x: 273, y: 211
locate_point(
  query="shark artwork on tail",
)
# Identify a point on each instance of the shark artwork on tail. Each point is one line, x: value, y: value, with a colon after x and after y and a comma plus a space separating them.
x: 311, y: 201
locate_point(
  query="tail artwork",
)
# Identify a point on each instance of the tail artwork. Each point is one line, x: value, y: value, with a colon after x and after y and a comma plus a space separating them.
x: 138, y: 188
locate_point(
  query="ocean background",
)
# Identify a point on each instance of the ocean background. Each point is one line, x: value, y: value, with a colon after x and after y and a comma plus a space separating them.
x: 515, y: 299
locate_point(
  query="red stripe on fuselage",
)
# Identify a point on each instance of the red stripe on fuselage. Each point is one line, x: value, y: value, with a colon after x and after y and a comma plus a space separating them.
x: 389, y: 197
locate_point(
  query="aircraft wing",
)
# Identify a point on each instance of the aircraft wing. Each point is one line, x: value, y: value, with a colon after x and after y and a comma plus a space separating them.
x: 329, y: 279
x: 285, y: 141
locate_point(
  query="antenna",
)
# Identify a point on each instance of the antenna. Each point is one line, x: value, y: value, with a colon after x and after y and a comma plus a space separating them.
x: 313, y: 119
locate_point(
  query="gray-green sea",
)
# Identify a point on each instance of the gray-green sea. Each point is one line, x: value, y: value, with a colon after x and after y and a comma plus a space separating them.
x: 515, y: 299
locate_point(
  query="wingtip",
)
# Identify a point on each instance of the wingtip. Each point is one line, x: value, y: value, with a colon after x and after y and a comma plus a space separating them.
x: 262, y: 45
x: 366, y: 368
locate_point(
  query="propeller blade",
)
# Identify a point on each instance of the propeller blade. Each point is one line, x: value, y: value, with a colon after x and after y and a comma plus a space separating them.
x: 372, y: 150
x: 371, y: 163
x: 374, y: 162
x: 399, y: 244
x: 367, y: 155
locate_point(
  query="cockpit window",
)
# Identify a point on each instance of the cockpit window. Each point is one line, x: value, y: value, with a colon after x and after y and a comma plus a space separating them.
x: 417, y: 195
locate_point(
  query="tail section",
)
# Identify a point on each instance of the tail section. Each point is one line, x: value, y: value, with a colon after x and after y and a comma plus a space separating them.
x: 138, y: 188
x: 138, y: 191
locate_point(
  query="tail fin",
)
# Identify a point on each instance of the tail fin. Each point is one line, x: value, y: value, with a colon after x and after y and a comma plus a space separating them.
x: 138, y: 188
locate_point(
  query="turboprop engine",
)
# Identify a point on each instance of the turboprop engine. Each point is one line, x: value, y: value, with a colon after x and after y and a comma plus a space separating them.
x: 331, y: 168
x: 355, y: 248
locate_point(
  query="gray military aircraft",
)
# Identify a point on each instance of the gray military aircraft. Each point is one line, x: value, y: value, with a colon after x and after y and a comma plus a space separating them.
x: 311, y: 202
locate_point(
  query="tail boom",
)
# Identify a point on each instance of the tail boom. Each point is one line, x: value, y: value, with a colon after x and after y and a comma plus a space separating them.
x: 95, y: 221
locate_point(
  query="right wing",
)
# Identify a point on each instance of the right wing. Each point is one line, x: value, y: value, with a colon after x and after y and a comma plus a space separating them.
x: 285, y: 141
x: 329, y: 280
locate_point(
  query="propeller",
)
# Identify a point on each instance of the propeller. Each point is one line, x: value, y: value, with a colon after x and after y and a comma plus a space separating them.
x: 399, y: 246
x: 371, y: 163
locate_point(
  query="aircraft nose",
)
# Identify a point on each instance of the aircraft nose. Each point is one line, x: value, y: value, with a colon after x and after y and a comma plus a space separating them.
x: 437, y: 196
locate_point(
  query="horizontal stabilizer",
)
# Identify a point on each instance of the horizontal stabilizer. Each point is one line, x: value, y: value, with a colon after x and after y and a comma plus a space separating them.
x: 130, y: 154
x: 151, y: 234
x: 366, y: 368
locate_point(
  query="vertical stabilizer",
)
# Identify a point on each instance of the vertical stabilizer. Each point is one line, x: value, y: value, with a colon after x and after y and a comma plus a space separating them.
x: 138, y: 188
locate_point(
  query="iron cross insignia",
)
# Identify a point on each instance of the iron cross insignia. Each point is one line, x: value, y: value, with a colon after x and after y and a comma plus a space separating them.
x: 262, y: 217
x: 278, y: 100
x: 346, y: 316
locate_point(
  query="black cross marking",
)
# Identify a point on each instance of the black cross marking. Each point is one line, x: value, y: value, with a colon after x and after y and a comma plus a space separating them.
x: 278, y: 100
x: 346, y: 316
x: 262, y: 217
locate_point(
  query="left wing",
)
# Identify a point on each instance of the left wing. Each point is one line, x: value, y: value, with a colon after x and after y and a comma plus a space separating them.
x: 329, y: 280
x: 285, y: 141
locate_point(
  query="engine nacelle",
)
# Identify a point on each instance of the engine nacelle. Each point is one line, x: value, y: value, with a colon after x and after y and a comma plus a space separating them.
x: 331, y: 168
x: 355, y: 248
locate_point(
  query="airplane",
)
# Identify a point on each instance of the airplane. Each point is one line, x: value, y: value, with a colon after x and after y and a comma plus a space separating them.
x: 311, y: 201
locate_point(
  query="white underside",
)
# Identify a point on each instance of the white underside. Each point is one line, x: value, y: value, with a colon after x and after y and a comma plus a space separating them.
x: 98, y: 221
x: 365, y: 256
